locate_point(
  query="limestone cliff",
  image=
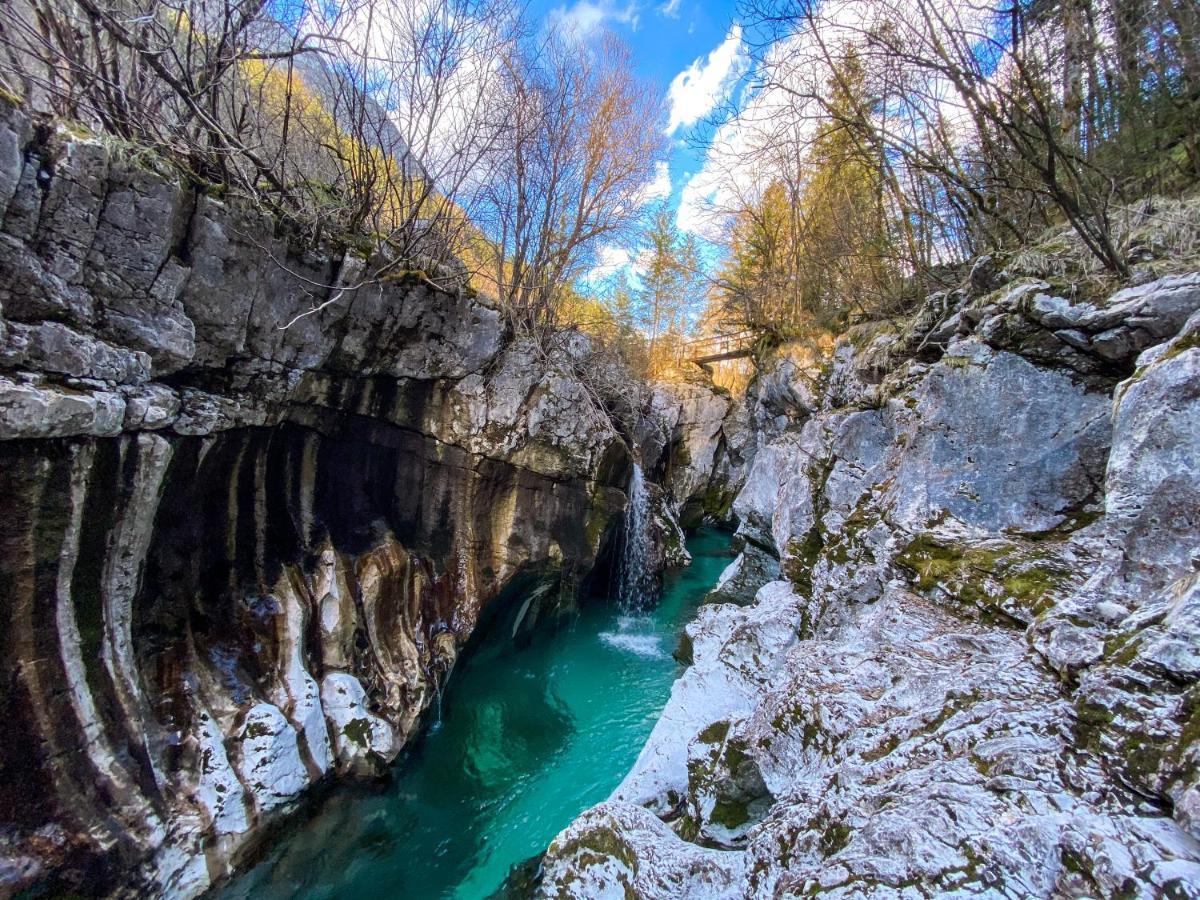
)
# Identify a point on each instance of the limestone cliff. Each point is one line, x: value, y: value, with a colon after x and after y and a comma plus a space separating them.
x: 237, y: 558
x: 960, y: 652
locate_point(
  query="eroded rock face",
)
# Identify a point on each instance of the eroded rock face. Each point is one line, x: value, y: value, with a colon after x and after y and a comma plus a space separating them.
x: 239, y: 558
x: 979, y: 673
x: 684, y: 443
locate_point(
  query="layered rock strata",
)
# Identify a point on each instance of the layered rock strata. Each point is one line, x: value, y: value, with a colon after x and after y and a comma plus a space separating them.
x: 973, y: 667
x: 237, y: 558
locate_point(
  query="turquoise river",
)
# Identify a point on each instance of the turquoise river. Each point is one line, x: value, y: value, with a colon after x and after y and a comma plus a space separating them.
x: 530, y: 736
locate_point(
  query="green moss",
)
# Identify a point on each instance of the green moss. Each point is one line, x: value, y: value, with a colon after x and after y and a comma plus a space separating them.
x: 802, y: 557
x: 688, y: 829
x: 981, y: 765
x: 784, y: 721
x: 1033, y: 588
x: 1182, y: 345
x: 1002, y: 579
x: 1137, y: 752
x: 1142, y: 756
x: 714, y: 733
x: 1190, y: 733
x: 718, y: 503
x: 889, y: 744
x: 1122, y: 649
x: 812, y: 731
x: 958, y: 362
x: 730, y: 814
x: 1179, y: 347
x: 839, y: 553
x: 834, y: 838
x: 735, y: 755
x: 955, y: 703
x: 359, y: 731
x: 945, y: 566
x: 596, y: 846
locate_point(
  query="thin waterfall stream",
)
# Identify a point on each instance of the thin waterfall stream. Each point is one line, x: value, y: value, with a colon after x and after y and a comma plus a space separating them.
x: 636, y: 581
x: 529, y: 737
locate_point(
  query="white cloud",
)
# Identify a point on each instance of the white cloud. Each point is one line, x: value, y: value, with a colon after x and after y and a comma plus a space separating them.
x: 736, y: 165
x: 670, y: 9
x: 585, y: 16
x: 775, y: 120
x: 659, y: 187
x: 699, y: 204
x: 609, y: 261
x: 696, y: 91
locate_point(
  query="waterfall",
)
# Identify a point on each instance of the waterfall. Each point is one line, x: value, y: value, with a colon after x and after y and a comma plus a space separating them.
x: 636, y: 582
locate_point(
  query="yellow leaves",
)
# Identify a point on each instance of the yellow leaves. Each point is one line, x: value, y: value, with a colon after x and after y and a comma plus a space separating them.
x: 300, y: 117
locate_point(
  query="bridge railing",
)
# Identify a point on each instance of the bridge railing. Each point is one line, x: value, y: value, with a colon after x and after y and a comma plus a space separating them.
x: 740, y: 342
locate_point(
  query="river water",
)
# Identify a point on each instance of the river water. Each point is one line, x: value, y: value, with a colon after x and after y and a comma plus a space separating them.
x: 530, y: 737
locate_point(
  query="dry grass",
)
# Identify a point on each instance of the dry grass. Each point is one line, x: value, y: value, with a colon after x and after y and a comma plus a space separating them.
x: 1161, y: 234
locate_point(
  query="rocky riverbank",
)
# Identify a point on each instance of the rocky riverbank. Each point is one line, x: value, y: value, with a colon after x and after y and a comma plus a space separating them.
x: 239, y: 558
x: 960, y: 651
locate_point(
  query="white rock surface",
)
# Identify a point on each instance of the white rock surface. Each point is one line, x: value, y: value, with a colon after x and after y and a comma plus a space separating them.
x: 360, y: 739
x: 270, y: 765
x: 885, y: 722
x: 734, y: 649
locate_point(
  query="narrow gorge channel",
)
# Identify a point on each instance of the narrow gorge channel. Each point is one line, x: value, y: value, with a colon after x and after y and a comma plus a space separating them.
x: 463, y: 517
x: 529, y: 737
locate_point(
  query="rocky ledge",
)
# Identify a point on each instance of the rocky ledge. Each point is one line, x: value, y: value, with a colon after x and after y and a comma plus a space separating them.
x: 237, y: 557
x: 974, y: 665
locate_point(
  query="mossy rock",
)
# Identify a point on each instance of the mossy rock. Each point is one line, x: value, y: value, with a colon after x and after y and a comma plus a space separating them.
x: 801, y: 559
x: 359, y: 731
x: 1005, y: 581
x: 730, y: 814
x: 684, y: 650
x: 714, y: 733
x: 595, y: 845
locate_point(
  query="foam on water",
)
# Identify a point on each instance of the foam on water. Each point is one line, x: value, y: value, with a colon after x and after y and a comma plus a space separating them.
x: 639, y: 644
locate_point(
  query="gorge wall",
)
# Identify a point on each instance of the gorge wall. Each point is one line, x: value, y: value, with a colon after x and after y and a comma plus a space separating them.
x: 237, y: 558
x: 960, y: 650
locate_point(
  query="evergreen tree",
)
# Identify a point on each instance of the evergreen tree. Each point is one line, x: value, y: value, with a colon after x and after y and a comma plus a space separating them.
x: 664, y: 294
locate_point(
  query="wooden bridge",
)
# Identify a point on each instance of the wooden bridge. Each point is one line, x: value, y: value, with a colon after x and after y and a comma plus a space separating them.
x: 718, y: 348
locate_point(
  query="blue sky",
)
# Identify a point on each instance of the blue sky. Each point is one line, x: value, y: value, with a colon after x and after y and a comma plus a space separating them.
x: 690, y: 50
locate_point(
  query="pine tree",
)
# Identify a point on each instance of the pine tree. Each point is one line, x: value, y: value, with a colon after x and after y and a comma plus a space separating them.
x: 665, y: 285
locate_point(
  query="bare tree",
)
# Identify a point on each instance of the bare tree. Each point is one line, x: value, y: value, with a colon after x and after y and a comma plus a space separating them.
x: 1007, y: 117
x: 584, y: 136
x: 360, y: 120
